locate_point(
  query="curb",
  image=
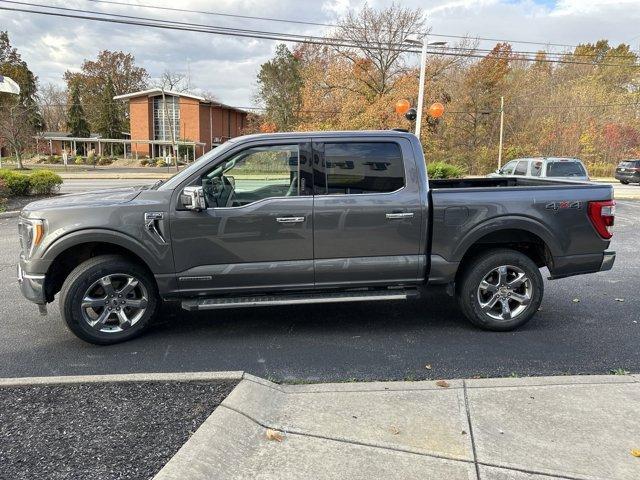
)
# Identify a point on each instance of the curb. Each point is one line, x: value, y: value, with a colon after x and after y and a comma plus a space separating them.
x: 117, y: 176
x: 11, y: 214
x: 129, y: 377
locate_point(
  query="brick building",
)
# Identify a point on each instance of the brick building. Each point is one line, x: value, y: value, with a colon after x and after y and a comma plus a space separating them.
x: 153, y: 114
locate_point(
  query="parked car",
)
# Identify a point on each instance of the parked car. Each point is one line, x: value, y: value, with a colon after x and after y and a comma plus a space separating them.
x: 545, y: 167
x: 628, y: 171
x: 301, y: 218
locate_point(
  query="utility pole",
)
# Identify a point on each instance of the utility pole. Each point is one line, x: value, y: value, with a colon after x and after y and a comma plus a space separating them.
x: 501, y: 131
x: 423, y: 67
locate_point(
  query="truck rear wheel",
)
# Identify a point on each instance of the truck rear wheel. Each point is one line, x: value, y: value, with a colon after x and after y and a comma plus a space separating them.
x: 500, y: 290
x: 108, y: 299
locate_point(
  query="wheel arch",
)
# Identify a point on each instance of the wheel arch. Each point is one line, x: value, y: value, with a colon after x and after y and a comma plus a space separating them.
x: 527, y: 237
x: 73, y: 249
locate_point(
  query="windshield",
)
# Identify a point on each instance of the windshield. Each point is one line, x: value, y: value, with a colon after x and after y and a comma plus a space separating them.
x: 630, y: 164
x: 173, y: 181
x: 565, y: 169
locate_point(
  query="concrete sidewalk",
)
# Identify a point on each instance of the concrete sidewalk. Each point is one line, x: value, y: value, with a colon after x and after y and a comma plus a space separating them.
x: 581, y: 427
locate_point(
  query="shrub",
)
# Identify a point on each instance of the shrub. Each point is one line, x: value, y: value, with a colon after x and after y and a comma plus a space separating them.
x: 17, y: 183
x: 144, y: 162
x: 438, y: 170
x: 105, y: 161
x: 79, y: 160
x: 4, y: 190
x: 44, y: 182
x: 91, y: 158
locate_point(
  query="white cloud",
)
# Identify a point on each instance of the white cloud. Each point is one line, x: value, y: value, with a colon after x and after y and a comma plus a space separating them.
x: 227, y: 66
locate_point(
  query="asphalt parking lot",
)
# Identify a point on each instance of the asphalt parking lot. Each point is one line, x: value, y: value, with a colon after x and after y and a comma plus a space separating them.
x: 587, y: 325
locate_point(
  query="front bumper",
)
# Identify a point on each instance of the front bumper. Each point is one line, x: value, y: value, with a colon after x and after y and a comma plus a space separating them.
x: 608, y: 261
x: 32, y: 286
x: 631, y: 177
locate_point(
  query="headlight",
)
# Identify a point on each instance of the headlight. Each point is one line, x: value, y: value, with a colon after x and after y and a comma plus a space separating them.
x: 31, y: 233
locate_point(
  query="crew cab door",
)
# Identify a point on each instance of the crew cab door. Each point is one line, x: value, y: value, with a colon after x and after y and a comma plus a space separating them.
x: 368, y: 212
x: 256, y: 233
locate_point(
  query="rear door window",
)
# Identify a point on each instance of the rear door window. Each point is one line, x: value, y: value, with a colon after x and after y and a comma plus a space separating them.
x: 521, y: 168
x: 565, y: 169
x: 536, y: 168
x: 360, y: 167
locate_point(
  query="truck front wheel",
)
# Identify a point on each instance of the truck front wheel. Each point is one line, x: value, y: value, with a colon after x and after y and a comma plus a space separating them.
x: 108, y: 299
x: 500, y: 290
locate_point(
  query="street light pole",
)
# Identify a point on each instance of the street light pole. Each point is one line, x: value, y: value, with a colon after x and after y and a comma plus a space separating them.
x: 423, y: 67
x: 501, y: 132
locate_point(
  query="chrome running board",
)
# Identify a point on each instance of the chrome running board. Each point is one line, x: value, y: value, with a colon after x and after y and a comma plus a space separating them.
x: 212, y: 303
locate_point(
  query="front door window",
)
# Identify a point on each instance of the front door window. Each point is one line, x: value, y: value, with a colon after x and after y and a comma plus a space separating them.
x: 254, y: 174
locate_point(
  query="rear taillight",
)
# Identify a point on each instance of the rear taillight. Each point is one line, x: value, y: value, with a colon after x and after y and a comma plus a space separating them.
x: 602, y: 215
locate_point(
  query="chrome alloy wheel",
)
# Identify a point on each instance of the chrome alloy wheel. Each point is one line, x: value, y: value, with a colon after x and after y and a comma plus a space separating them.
x: 114, y: 303
x: 504, y: 292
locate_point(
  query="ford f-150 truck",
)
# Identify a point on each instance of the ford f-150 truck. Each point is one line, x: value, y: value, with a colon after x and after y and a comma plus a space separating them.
x: 297, y: 218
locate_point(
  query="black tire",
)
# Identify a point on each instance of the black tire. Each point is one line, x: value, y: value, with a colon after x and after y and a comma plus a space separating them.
x: 84, y: 276
x: 481, y: 267
x: 624, y: 182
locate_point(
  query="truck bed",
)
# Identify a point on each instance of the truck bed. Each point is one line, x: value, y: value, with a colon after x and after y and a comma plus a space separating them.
x: 552, y: 213
x: 489, y: 182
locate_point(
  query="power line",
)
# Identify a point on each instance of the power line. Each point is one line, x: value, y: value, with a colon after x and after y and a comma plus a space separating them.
x: 318, y: 24
x: 195, y: 27
x: 220, y: 14
x: 324, y: 24
x: 184, y: 26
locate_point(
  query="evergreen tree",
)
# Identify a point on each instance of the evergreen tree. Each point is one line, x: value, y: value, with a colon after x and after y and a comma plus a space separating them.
x: 12, y: 65
x: 110, y: 117
x: 76, y: 120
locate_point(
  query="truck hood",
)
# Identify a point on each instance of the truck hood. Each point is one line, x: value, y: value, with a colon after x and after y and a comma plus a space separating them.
x: 95, y: 198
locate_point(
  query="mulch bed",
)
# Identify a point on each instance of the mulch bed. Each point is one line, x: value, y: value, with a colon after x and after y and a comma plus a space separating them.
x: 100, y: 431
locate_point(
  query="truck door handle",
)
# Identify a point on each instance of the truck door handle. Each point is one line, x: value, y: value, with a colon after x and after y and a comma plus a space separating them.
x: 290, y: 219
x: 395, y: 215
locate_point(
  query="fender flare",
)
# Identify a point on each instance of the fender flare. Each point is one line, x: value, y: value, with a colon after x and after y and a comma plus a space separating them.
x: 79, y: 237
x: 508, y: 222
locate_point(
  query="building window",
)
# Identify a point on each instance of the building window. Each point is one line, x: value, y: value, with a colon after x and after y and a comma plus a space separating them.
x: 165, y: 118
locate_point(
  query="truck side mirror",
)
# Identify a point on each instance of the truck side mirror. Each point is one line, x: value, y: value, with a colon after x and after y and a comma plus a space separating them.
x: 192, y: 198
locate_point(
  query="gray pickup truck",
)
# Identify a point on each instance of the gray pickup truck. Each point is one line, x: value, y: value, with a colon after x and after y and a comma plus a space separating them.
x: 297, y: 218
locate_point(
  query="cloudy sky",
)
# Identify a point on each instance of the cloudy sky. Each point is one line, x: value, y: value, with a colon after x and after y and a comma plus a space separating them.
x: 227, y: 66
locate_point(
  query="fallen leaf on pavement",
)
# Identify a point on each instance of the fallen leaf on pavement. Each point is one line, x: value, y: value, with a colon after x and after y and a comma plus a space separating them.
x: 442, y: 383
x: 619, y: 299
x: 636, y: 453
x: 273, y: 435
x: 428, y: 366
x: 394, y: 430
x: 576, y: 300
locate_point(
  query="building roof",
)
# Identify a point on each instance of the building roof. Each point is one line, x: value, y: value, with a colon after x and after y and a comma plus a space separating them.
x: 154, y: 92
x: 58, y: 135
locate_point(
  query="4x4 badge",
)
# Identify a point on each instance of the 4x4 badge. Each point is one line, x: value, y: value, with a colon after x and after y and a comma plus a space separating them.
x: 563, y: 205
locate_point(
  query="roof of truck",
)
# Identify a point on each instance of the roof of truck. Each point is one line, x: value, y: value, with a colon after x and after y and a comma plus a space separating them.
x: 344, y: 134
